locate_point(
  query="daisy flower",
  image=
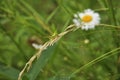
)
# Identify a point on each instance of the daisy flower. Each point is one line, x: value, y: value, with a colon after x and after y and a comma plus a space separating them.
x: 87, y: 19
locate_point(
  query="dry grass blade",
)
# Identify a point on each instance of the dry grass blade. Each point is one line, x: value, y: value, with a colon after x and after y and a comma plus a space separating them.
x: 48, y: 43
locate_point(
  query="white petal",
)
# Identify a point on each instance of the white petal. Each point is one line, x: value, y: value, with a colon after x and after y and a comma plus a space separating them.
x: 88, y: 11
x: 75, y: 15
x: 81, y: 15
x: 76, y: 22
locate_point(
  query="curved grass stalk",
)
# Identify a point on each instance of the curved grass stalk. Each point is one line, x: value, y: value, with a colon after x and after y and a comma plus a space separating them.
x: 98, y: 59
x: 43, y: 47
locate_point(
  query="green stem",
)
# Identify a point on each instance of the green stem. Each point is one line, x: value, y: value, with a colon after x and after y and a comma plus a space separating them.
x: 115, y: 51
x: 107, y: 25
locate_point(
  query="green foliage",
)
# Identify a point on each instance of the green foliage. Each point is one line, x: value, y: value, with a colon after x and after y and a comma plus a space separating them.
x: 23, y: 22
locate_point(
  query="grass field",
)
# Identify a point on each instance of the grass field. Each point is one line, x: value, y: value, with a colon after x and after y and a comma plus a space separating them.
x: 92, y: 54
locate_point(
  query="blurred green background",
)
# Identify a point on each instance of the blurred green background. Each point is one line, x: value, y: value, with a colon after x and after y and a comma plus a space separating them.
x: 23, y: 22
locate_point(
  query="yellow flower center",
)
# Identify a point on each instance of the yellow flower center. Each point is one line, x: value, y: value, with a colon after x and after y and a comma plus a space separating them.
x: 87, y: 18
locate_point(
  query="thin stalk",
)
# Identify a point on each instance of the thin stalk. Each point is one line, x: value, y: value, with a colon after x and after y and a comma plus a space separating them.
x: 108, y: 25
x: 98, y: 59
